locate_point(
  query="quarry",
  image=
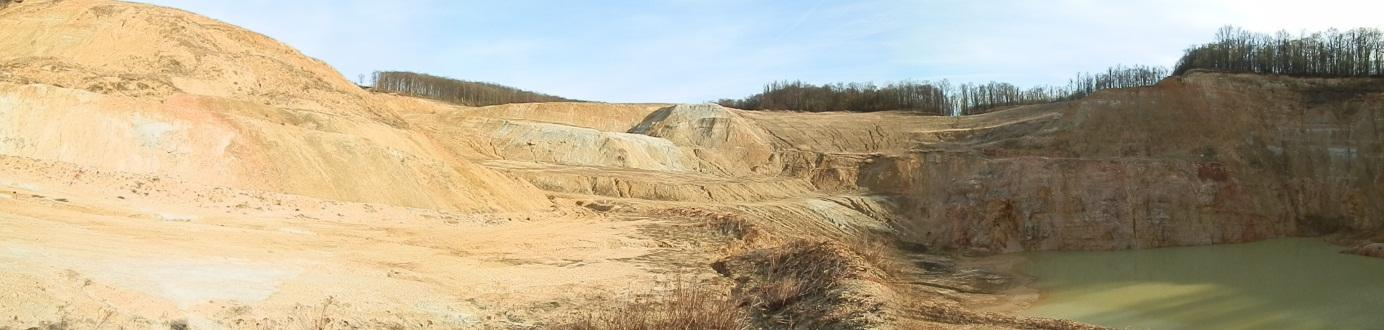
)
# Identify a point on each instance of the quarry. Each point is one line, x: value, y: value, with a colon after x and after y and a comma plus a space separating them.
x: 166, y: 170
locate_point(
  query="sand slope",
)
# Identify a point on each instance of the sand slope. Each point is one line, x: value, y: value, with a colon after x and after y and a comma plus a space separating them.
x: 151, y: 90
x: 164, y: 168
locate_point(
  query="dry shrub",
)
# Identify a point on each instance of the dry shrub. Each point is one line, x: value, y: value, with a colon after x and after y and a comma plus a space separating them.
x: 322, y: 316
x: 321, y: 320
x: 884, y: 255
x: 802, y: 270
x: 733, y: 226
x: 779, y: 294
x: 725, y: 224
x: 686, y: 306
x: 803, y: 284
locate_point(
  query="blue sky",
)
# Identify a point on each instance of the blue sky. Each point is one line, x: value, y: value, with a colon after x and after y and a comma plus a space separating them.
x: 700, y: 50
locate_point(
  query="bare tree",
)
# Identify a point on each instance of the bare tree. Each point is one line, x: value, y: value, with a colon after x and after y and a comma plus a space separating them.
x: 937, y: 98
x: 463, y: 92
x: 1331, y: 53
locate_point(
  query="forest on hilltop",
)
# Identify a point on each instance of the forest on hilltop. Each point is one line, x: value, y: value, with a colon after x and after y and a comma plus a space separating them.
x: 1332, y: 53
x: 470, y: 93
x: 936, y: 98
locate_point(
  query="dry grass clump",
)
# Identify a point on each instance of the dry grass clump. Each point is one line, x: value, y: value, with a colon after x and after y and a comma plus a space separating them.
x: 804, y: 284
x: 721, y: 223
x: 686, y: 306
x: 797, y: 285
x: 733, y: 226
x: 884, y: 255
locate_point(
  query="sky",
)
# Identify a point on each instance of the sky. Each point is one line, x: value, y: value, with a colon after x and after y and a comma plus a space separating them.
x: 701, y: 50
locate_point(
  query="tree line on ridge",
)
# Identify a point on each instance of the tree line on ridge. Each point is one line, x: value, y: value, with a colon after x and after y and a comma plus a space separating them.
x: 937, y: 98
x: 1332, y: 53
x: 471, y: 93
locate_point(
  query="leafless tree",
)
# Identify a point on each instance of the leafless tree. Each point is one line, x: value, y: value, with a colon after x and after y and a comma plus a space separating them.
x: 463, y: 92
x: 1332, y: 53
x: 937, y: 98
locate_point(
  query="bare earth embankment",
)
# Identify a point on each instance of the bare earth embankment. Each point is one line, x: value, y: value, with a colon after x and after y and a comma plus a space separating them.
x: 161, y: 168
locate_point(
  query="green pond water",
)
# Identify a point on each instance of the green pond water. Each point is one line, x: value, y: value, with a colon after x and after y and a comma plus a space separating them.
x: 1277, y: 284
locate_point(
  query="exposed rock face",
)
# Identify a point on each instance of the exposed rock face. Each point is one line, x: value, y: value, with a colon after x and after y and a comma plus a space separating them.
x: 1034, y: 203
x: 1201, y: 159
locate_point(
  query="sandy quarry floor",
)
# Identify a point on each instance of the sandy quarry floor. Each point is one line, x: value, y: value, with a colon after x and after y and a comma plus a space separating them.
x: 92, y: 248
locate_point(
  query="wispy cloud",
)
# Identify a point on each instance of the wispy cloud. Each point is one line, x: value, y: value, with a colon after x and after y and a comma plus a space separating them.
x: 691, y: 51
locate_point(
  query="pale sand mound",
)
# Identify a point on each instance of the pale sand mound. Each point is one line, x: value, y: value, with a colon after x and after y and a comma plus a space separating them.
x: 132, y: 49
x: 487, y: 138
x: 153, y: 90
x: 682, y: 138
x: 720, y: 136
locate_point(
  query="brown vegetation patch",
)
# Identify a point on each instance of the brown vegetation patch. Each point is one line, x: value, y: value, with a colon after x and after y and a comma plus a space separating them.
x: 806, y: 284
x: 722, y: 223
x: 688, y: 305
x: 1212, y: 171
x: 1369, y: 250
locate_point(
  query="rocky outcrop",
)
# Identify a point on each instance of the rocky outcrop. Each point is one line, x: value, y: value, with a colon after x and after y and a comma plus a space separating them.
x: 1034, y: 203
x: 1369, y: 250
x: 1198, y: 159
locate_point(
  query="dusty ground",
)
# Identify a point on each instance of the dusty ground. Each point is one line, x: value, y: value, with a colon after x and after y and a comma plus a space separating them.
x: 88, y: 247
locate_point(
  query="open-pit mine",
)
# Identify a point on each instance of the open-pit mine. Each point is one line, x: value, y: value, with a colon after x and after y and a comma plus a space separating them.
x: 162, y: 169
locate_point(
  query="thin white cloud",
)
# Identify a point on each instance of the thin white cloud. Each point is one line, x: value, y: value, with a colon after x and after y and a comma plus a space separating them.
x: 691, y: 51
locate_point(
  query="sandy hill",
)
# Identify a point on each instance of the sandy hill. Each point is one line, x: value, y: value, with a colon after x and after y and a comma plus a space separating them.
x: 164, y: 168
x: 153, y: 90
x: 1199, y: 159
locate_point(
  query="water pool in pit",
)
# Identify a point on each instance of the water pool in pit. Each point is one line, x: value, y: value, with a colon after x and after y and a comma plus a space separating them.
x: 1293, y: 283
